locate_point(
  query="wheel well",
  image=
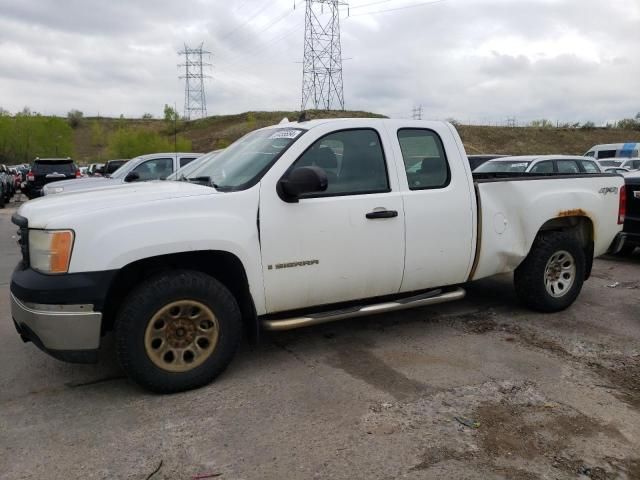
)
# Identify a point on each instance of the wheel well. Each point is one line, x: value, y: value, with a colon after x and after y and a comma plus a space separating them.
x: 223, y: 266
x: 582, y: 228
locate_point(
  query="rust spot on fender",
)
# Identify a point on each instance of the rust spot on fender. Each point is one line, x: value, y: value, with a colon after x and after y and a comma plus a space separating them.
x: 576, y: 212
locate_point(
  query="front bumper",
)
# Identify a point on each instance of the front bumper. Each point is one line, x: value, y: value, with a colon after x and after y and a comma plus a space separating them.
x: 67, y: 332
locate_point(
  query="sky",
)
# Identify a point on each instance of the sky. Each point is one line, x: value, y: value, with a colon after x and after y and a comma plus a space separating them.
x: 477, y: 61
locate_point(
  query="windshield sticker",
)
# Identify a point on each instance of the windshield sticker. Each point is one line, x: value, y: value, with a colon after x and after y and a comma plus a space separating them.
x: 289, y: 133
x: 518, y: 165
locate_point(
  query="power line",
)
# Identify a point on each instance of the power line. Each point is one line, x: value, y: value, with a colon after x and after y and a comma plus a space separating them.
x: 241, y: 59
x: 369, y: 4
x: 238, y: 27
x: 424, y: 4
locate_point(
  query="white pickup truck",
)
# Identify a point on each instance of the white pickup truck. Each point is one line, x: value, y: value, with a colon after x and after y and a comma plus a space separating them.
x: 302, y: 223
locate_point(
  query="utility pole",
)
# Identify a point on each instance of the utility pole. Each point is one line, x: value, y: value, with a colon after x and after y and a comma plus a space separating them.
x: 417, y: 112
x: 195, y: 102
x: 322, y: 86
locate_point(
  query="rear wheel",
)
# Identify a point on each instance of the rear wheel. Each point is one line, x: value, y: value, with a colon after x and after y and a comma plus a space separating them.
x: 177, y: 331
x: 551, y: 277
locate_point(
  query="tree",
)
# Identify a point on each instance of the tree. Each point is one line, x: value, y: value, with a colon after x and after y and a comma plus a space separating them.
x: 629, y: 124
x: 74, y: 117
x: 98, y: 136
x: 147, y: 116
x: 170, y: 115
x: 542, y: 123
x: 588, y: 126
x: 129, y: 143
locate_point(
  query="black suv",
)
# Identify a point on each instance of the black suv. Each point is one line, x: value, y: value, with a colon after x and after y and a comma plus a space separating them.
x: 47, y: 170
x: 629, y: 238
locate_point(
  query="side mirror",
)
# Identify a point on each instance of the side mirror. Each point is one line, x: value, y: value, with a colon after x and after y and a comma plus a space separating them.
x: 300, y: 181
x: 132, y: 177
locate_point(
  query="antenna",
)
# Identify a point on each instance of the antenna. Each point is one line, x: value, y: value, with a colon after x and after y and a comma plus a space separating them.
x: 195, y: 101
x: 322, y: 64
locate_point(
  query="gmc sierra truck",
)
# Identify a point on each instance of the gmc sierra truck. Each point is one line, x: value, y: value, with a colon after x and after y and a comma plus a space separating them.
x: 294, y: 225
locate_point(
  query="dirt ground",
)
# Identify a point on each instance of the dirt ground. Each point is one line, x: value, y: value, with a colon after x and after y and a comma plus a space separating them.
x: 479, y: 389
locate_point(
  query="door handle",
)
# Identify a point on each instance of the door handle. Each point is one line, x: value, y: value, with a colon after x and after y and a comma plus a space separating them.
x: 382, y: 214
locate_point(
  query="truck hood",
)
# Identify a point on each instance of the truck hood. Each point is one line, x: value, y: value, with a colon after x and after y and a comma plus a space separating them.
x: 77, y: 184
x: 41, y: 211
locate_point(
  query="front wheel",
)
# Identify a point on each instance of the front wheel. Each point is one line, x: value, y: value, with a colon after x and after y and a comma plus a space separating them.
x: 177, y: 331
x: 551, y: 276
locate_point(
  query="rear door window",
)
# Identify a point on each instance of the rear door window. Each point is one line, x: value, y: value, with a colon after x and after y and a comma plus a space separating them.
x: 567, y: 166
x: 425, y: 161
x: 589, y: 167
x: 543, y: 167
x: 186, y: 161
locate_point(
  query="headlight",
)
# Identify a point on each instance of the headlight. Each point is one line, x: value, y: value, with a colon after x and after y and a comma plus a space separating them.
x: 50, y: 250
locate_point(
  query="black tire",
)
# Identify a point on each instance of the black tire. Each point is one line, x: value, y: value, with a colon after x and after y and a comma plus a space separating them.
x: 2, y: 202
x: 626, y: 250
x: 151, y: 297
x: 529, y: 277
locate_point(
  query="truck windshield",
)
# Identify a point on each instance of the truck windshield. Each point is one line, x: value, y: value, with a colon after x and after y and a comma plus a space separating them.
x: 502, y: 167
x: 241, y: 165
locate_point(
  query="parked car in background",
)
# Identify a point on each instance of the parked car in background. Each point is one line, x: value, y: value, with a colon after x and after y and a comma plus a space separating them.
x: 83, y: 171
x: 541, y: 165
x: 476, y: 160
x: 93, y: 168
x: 629, y: 239
x: 630, y: 164
x: 186, y: 173
x: 17, y: 178
x: 618, y: 170
x: 155, y: 166
x: 3, y: 189
x: 614, y: 150
x: 8, y: 183
x: 111, y: 166
x: 302, y: 223
x: 45, y: 171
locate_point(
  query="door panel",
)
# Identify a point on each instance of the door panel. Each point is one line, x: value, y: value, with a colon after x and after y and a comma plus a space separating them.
x: 324, y: 249
x: 439, y: 209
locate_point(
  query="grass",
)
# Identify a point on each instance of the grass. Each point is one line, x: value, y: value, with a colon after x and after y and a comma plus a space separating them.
x: 219, y: 131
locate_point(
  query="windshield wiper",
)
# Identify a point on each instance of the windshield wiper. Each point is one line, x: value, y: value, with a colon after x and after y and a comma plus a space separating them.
x: 203, y: 181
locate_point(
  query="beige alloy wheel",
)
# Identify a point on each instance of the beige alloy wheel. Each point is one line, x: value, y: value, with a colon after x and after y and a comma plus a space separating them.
x: 181, y: 336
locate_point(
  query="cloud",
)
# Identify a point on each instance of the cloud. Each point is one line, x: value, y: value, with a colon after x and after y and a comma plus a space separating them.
x: 467, y: 59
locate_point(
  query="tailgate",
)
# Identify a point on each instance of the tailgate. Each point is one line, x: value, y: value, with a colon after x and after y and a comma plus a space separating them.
x: 52, y: 171
x: 632, y: 221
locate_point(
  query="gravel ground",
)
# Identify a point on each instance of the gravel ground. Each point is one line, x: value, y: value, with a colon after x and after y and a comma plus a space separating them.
x: 479, y: 389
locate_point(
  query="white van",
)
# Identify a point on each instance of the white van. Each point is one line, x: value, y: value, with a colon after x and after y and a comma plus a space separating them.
x: 614, y: 150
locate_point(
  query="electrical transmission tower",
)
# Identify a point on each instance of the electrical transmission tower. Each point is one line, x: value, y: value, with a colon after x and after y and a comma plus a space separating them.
x: 322, y: 63
x: 195, y: 100
x: 417, y: 112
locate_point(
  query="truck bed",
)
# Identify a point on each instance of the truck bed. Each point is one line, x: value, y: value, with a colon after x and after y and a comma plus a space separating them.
x: 512, y: 208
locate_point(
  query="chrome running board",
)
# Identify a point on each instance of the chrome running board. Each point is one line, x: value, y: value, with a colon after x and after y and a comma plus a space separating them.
x: 429, y: 298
